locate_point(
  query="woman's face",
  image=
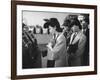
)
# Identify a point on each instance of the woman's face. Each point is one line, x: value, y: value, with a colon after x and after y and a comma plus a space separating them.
x: 75, y: 28
x: 52, y: 30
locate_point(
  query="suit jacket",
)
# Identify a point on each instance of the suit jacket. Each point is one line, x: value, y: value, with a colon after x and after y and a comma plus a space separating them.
x: 81, y: 39
x: 75, y: 59
x: 58, y: 52
x: 86, y: 51
x: 87, y: 41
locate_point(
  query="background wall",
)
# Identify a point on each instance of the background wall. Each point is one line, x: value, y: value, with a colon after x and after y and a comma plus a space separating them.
x: 36, y: 18
x: 33, y: 18
x: 5, y: 40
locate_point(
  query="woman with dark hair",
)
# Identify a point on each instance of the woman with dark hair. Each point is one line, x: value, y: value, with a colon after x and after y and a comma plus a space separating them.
x: 77, y: 44
x: 57, y: 46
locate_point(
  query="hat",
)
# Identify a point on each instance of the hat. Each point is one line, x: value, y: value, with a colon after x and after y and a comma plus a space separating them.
x: 66, y: 22
x: 46, y: 25
x: 53, y: 22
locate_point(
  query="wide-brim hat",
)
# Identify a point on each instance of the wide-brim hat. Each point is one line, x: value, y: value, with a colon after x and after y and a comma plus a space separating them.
x: 52, y: 22
x: 46, y: 25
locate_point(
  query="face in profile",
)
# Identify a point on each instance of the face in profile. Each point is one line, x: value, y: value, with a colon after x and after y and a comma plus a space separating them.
x: 52, y: 29
x: 75, y: 28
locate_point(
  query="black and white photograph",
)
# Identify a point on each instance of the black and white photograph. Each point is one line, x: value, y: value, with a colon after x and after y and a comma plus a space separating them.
x: 53, y: 39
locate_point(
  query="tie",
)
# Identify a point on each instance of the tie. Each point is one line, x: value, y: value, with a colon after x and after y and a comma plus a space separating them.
x: 73, y: 37
x: 54, y: 36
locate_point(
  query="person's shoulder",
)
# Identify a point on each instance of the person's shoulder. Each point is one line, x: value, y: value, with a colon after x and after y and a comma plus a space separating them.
x: 82, y: 35
x: 61, y: 36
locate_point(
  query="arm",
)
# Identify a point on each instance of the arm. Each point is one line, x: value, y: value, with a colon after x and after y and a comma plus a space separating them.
x: 58, y: 48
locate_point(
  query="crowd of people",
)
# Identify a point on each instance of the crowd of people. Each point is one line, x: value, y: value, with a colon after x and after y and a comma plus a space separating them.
x: 69, y: 45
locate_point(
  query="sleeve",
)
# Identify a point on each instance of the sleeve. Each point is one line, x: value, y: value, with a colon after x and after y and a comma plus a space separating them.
x: 58, y: 48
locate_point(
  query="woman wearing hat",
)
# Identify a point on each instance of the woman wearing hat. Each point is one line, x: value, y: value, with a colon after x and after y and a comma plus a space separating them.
x: 57, y: 46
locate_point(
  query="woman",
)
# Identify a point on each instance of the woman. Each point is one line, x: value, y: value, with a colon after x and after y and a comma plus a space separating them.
x: 57, y: 46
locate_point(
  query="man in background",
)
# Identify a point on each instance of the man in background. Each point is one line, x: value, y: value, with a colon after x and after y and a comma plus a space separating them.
x: 85, y: 30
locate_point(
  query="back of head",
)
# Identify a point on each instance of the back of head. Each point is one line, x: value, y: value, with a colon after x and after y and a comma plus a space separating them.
x: 66, y: 22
